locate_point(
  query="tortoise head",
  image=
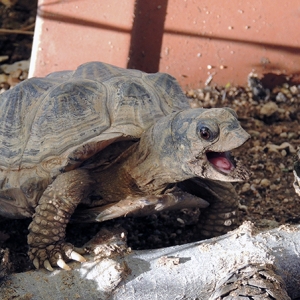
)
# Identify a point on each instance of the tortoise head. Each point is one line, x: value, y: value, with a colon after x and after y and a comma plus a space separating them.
x: 203, y: 139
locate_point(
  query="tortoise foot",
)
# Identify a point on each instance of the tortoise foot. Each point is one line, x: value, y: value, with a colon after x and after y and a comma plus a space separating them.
x: 54, y: 255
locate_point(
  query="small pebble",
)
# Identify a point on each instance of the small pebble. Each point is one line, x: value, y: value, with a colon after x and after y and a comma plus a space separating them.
x: 207, y: 97
x: 283, y: 153
x: 292, y: 135
x: 254, y: 133
x: 278, y: 129
x: 180, y: 221
x: 281, y: 166
x: 265, y: 182
x: 191, y: 93
x: 245, y: 187
x: 269, y: 109
x: 285, y: 85
x: 280, y: 97
x: 283, y: 135
x: 3, y: 58
x: 3, y: 78
x: 294, y: 90
x: 274, y: 187
x: 9, y: 3
x: 200, y: 95
x: 12, y: 81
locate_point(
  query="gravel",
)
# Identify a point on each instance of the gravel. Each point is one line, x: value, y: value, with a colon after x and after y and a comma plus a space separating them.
x: 269, y: 114
x: 268, y: 199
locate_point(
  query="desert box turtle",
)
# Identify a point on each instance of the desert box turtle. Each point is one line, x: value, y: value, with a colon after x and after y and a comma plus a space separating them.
x: 110, y: 142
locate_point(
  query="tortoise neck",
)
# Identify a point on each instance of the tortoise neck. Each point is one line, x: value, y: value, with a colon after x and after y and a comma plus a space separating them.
x: 152, y: 170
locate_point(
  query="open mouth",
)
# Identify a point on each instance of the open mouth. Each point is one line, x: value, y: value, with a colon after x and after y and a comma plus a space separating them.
x: 221, y: 161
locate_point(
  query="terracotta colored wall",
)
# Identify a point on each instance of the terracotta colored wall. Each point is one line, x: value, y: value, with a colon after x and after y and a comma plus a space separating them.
x: 190, y: 39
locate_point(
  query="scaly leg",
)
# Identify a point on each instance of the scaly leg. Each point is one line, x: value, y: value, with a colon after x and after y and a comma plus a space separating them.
x: 47, y: 229
x: 141, y: 205
x: 222, y: 214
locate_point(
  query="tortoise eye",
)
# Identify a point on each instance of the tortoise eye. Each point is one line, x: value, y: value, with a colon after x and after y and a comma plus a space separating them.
x: 207, y: 130
x: 205, y: 133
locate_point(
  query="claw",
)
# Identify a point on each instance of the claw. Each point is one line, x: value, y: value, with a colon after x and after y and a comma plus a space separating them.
x: 48, y: 266
x: 76, y: 256
x: 105, y: 216
x: 79, y: 250
x: 61, y: 263
x: 36, y: 263
x: 159, y: 207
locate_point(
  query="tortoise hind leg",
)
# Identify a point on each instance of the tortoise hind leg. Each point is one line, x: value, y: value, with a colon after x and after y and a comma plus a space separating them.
x: 52, y: 214
x: 221, y: 215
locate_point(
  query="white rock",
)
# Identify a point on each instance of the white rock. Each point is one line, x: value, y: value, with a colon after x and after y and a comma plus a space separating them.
x: 19, y: 65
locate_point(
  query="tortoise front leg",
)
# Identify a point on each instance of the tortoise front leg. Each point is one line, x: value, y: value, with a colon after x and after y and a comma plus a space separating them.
x: 140, y: 206
x: 52, y: 214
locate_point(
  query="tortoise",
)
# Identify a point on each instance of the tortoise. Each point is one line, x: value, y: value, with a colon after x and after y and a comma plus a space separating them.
x: 103, y: 142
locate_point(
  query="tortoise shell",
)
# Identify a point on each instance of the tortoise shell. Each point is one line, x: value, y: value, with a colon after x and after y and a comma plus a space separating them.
x: 53, y: 124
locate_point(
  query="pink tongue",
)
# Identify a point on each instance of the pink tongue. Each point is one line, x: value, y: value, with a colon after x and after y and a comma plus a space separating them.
x: 221, y: 163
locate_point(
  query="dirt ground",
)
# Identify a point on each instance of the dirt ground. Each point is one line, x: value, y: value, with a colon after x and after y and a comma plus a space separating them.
x: 267, y: 199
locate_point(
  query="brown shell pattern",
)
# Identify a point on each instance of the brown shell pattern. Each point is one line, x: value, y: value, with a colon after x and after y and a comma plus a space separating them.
x: 69, y: 114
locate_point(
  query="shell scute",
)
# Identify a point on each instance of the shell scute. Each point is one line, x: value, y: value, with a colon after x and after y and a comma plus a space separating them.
x: 71, y: 110
x: 18, y: 108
